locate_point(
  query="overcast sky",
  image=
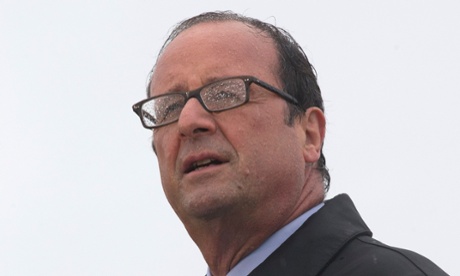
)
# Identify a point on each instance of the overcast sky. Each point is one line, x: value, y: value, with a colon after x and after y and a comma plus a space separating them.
x: 80, y: 192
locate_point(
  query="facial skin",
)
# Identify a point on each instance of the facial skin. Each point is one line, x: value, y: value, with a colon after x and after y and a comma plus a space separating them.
x: 265, y: 177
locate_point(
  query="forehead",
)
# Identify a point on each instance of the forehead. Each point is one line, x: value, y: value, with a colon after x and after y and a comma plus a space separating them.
x: 213, y: 50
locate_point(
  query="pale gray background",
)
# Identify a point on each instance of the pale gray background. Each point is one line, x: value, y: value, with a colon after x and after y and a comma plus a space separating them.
x: 79, y: 187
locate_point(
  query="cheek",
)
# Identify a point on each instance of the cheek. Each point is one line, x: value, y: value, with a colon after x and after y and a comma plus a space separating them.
x: 164, y: 144
x: 169, y: 182
x: 261, y: 138
x: 166, y: 151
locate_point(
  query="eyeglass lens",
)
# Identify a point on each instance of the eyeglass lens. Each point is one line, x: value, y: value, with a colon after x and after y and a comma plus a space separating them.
x: 216, y: 96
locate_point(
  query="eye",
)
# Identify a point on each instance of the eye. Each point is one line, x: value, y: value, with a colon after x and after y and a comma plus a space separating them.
x: 168, y: 107
x: 172, y: 111
x: 224, y: 94
x: 148, y: 118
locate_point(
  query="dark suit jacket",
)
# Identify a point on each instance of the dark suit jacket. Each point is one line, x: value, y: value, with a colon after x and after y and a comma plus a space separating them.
x: 336, y: 241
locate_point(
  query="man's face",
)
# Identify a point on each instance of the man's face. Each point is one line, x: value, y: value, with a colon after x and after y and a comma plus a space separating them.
x: 257, y: 167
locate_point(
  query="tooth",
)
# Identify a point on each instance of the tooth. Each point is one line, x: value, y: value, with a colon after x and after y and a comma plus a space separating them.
x: 202, y: 162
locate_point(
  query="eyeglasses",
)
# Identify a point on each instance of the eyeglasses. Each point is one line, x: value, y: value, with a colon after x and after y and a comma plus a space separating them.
x: 221, y: 95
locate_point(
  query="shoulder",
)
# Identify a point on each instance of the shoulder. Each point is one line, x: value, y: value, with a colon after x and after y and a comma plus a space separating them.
x: 367, y: 256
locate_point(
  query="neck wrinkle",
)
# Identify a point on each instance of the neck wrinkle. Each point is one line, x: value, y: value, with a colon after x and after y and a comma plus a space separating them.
x: 223, y: 245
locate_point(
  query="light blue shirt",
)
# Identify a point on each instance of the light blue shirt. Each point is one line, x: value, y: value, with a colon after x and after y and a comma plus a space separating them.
x: 253, y: 260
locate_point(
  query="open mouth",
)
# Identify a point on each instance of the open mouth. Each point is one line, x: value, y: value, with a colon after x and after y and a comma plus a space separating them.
x: 202, y: 164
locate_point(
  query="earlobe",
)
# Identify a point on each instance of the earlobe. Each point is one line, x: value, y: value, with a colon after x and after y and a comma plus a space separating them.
x: 314, y: 127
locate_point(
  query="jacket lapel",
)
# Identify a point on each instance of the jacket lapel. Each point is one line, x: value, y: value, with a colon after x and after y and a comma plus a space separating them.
x: 318, y: 240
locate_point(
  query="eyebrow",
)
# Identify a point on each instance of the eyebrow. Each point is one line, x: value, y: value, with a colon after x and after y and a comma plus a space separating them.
x: 174, y: 89
x: 180, y: 87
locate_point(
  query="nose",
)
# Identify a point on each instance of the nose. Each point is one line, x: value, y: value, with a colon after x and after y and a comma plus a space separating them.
x: 194, y: 120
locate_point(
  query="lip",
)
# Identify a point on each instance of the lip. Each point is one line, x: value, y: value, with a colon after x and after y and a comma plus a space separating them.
x: 188, y: 165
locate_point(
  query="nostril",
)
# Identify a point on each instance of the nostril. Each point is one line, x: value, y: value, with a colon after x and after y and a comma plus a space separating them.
x: 200, y: 130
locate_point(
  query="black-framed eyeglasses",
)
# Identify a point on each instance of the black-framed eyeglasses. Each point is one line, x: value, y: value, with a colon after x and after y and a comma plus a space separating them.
x: 217, y: 96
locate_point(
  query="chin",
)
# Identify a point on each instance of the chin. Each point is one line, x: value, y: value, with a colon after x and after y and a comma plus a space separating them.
x: 207, y: 208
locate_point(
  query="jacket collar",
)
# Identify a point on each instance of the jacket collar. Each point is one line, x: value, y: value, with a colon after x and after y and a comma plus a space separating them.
x: 318, y: 240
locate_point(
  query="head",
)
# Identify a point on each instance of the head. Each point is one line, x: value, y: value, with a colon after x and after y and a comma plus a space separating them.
x: 296, y: 74
x: 255, y: 159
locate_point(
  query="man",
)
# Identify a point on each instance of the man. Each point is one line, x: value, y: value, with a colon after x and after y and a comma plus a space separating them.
x: 238, y: 129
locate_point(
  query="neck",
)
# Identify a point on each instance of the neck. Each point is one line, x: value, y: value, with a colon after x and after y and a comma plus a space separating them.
x: 224, y: 241
x: 227, y: 239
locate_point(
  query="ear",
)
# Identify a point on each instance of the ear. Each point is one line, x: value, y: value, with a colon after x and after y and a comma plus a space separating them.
x: 313, y: 125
